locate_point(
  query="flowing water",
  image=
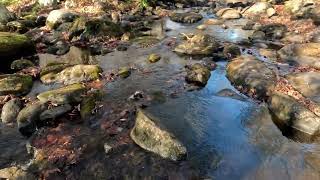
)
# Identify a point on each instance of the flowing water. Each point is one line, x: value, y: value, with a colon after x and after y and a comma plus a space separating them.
x: 226, y: 138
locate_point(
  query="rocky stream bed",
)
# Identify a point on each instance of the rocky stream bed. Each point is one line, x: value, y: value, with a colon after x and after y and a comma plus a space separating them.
x: 218, y: 89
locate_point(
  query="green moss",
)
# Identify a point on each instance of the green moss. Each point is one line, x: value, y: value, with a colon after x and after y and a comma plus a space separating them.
x: 88, y: 104
x: 154, y: 58
x: 15, y: 84
x: 12, y: 43
x: 124, y: 72
x: 64, y: 95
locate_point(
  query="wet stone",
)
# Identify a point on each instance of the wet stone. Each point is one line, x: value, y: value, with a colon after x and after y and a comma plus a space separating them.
x: 186, y: 17
x: 124, y: 72
x: 198, y: 74
x: 153, y: 58
x: 15, y: 84
x: 11, y: 110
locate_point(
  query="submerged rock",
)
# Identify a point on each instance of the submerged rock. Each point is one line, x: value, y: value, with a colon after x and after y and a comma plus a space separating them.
x: 149, y: 135
x: 200, y: 44
x: 198, y: 74
x: 154, y: 58
x: 28, y: 117
x: 15, y: 84
x: 64, y: 95
x: 231, y: 94
x: 189, y: 17
x: 11, y: 110
x: 301, y: 54
x: 74, y: 74
x: 14, y: 45
x: 124, y: 72
x: 290, y: 113
x: 252, y: 75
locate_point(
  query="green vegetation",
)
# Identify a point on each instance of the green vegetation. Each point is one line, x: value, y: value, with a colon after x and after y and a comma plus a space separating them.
x: 8, y: 2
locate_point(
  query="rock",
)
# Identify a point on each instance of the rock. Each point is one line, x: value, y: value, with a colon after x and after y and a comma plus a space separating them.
x: 28, y: 117
x: 88, y: 104
x: 124, y: 72
x: 154, y: 58
x: 198, y: 74
x: 307, y: 83
x: 16, y: 173
x: 107, y: 148
x: 57, y: 17
x: 189, y: 17
x: 74, y: 74
x: 11, y: 110
x: 256, y: 9
x: 202, y: 27
x: 200, y: 44
x: 307, y: 54
x: 231, y: 94
x: 15, y: 84
x: 149, y: 135
x: 14, y: 45
x: 231, y: 51
x: 237, y: 3
x: 289, y: 113
x: 48, y: 3
x: 50, y: 115
x: 228, y: 13
x: 59, y: 48
x: 299, y: 8
x: 257, y: 35
x: 5, y: 15
x: 64, y: 95
x: 214, y: 22
x: 21, y: 64
x: 271, y: 12
x: 274, y: 31
x: 252, y: 75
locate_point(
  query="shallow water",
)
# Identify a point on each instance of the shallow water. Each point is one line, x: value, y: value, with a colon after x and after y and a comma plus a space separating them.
x: 226, y: 138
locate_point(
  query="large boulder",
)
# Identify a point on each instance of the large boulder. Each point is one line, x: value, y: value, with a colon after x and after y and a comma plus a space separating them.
x: 198, y: 45
x: 289, y: 113
x: 57, y: 17
x: 188, y: 17
x: 307, y: 83
x: 15, y: 84
x: 150, y: 135
x: 13, y: 46
x: 74, y: 74
x: 252, y: 75
x: 5, y: 15
x: 64, y: 95
x: 301, y: 54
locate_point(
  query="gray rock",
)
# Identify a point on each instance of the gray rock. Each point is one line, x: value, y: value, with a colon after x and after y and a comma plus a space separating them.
x: 53, y: 113
x: 149, y: 135
x: 307, y: 54
x: 307, y: 83
x: 189, y: 17
x: 64, y: 95
x: 256, y: 9
x: 11, y: 110
x: 5, y: 15
x: 48, y: 3
x: 28, y: 117
x: 21, y: 64
x: 288, y: 112
x: 252, y: 75
x: 57, y: 17
x: 231, y: 94
x: 273, y: 31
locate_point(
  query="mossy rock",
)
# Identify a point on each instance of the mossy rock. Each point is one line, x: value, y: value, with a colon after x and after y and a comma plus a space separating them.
x: 153, y: 58
x: 88, y: 104
x: 64, y: 95
x: 188, y: 17
x: 151, y: 136
x: 21, y: 64
x: 198, y: 74
x: 14, y: 45
x: 75, y: 74
x: 15, y: 84
x: 124, y: 72
x: 53, y: 68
